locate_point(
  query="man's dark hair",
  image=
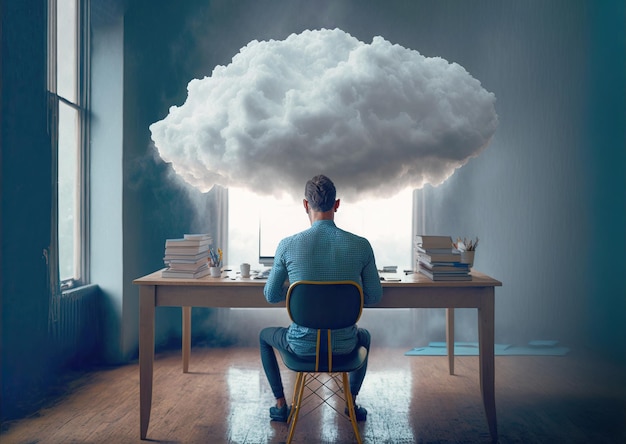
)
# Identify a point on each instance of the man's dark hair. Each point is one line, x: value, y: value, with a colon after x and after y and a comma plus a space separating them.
x: 320, y: 193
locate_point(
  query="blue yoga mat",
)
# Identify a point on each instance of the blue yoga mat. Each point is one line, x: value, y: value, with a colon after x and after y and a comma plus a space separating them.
x: 538, y: 348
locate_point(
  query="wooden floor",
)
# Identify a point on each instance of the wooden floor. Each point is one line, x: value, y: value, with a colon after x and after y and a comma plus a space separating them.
x: 225, y: 399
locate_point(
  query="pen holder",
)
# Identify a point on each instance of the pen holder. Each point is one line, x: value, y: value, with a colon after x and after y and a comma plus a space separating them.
x: 467, y: 257
x: 215, y: 272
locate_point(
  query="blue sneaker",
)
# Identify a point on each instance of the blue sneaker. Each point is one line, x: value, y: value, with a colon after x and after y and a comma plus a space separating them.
x: 279, y: 414
x: 360, y: 413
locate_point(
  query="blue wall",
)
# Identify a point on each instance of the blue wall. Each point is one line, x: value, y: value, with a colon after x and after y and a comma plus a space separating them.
x: 25, y: 174
x: 547, y: 198
x: 539, y: 197
x: 605, y: 141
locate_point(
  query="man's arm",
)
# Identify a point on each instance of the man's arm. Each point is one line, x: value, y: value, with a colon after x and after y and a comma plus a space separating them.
x: 372, y: 288
x: 275, y: 290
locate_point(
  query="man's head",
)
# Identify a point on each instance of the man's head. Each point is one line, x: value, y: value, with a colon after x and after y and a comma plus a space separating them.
x: 320, y: 193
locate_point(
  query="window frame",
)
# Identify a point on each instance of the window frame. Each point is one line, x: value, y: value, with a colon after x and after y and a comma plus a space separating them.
x: 81, y: 106
x: 353, y: 216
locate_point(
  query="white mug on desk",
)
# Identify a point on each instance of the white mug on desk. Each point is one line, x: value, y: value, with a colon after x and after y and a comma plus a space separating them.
x: 245, y: 270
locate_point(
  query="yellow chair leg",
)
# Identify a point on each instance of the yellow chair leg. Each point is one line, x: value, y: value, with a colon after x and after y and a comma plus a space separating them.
x: 298, y: 393
x: 350, y: 402
x: 295, y: 407
x: 295, y: 396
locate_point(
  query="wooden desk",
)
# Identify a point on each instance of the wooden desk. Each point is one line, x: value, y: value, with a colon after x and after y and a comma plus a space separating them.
x: 414, y: 291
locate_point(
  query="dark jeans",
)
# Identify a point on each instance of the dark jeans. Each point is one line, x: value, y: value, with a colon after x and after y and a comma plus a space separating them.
x: 276, y: 338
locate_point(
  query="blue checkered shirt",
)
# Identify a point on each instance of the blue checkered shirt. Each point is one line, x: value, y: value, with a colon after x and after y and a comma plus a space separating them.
x: 323, y: 252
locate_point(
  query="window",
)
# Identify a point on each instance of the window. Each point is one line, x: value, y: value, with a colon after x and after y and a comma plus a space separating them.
x: 386, y: 222
x: 68, y: 71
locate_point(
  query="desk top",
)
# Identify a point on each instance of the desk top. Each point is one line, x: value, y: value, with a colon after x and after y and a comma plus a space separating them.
x: 408, y: 280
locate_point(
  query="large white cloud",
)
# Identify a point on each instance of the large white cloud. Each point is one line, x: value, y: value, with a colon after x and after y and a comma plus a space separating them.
x: 375, y: 118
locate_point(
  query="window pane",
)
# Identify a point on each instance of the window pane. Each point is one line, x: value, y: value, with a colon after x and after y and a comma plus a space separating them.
x: 386, y: 223
x: 68, y: 205
x: 67, y: 57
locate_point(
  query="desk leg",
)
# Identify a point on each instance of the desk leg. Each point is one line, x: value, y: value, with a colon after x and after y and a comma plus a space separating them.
x: 186, y: 338
x: 147, y: 301
x: 450, y: 338
x: 486, y: 341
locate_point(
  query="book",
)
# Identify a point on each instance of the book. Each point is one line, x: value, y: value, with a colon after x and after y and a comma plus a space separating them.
x: 428, y: 242
x: 184, y: 242
x: 184, y: 274
x: 190, y: 260
x: 187, y: 250
x: 194, y: 266
x: 176, y: 253
x: 443, y: 267
x: 197, y: 236
x: 439, y: 259
x: 450, y: 255
x: 187, y: 257
x: 446, y: 276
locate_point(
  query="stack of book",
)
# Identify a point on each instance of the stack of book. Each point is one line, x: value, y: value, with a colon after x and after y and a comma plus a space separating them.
x: 187, y: 257
x: 438, y: 259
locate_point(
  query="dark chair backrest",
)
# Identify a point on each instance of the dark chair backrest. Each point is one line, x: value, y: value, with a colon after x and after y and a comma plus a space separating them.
x: 325, y: 304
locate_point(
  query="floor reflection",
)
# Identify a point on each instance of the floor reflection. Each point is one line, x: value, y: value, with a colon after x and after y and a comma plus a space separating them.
x: 246, y: 408
x: 387, y: 397
x: 386, y: 394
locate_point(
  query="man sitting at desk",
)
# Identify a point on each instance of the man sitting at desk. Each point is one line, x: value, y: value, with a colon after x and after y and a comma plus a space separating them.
x: 321, y: 253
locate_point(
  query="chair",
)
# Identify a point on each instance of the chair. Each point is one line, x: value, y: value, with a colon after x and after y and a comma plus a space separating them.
x: 324, y: 306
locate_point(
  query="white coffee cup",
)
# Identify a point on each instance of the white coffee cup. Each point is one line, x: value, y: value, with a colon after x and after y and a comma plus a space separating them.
x: 245, y: 270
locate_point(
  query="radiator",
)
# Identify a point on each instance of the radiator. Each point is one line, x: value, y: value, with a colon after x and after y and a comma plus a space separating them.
x: 75, y: 325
